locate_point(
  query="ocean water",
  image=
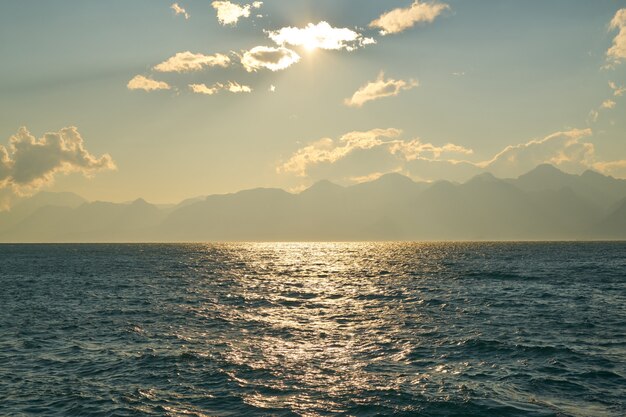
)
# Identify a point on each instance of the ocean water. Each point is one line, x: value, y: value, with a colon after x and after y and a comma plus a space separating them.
x: 313, y: 329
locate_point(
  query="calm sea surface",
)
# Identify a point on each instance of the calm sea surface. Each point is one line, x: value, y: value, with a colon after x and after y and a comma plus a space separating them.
x: 355, y: 329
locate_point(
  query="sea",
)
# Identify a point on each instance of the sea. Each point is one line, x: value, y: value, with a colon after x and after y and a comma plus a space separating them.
x: 313, y: 329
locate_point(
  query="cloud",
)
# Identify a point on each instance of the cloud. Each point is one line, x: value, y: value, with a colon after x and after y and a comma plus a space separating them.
x: 29, y: 163
x: 377, y: 148
x: 357, y: 156
x: 568, y: 150
x: 139, y: 82
x: 614, y: 168
x: 618, y: 50
x: 187, y: 61
x: 618, y: 90
x: 565, y: 150
x: 229, y: 13
x: 379, y: 88
x: 319, y: 36
x: 231, y: 86
x: 268, y: 57
x: 366, y: 178
x: 398, y: 20
x: 179, y: 10
x: 326, y: 150
x: 607, y: 104
x: 416, y: 149
x: 203, y: 89
x: 234, y: 87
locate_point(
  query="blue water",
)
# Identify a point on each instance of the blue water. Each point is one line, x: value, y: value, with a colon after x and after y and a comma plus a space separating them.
x: 355, y: 329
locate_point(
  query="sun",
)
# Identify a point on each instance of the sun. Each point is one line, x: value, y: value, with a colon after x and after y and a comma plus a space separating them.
x: 310, y: 45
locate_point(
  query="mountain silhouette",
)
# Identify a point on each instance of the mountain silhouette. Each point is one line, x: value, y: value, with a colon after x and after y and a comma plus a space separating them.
x: 27, y: 206
x: 543, y: 204
x: 613, y: 225
x: 96, y: 221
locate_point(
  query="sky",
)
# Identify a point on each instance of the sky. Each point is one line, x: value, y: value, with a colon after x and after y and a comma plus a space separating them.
x: 168, y: 100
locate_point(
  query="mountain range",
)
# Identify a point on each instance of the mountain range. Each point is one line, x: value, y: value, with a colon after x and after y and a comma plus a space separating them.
x: 543, y: 204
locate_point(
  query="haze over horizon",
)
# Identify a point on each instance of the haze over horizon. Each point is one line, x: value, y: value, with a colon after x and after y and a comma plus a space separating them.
x: 193, y: 98
x: 542, y: 204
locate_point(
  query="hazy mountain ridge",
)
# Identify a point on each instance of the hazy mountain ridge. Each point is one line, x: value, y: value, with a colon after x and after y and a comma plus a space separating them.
x: 543, y: 204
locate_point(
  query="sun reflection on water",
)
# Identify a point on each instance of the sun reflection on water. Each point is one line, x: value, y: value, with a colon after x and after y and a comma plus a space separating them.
x: 318, y: 316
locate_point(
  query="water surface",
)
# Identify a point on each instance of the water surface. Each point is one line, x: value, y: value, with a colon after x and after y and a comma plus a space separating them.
x: 354, y: 329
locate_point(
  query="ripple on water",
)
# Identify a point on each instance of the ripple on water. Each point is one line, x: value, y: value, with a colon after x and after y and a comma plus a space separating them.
x: 313, y: 329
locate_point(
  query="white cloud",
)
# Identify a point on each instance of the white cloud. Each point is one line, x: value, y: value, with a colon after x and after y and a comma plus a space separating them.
x: 321, y: 35
x: 234, y: 87
x: 565, y: 150
x: 139, y: 82
x: 378, y: 89
x: 179, y: 10
x: 568, y: 150
x: 400, y: 19
x: 416, y: 149
x: 618, y: 90
x: 29, y: 163
x: 231, y: 86
x: 381, y: 148
x: 607, y: 104
x: 358, y: 155
x: 203, y: 89
x: 187, y: 61
x: 617, y: 51
x: 614, y: 168
x: 272, y: 88
x: 326, y: 150
x: 274, y: 59
x: 229, y: 13
x: 366, y: 178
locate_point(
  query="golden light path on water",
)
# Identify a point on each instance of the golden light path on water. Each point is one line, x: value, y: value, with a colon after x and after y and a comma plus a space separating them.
x: 330, y: 324
x: 316, y: 316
